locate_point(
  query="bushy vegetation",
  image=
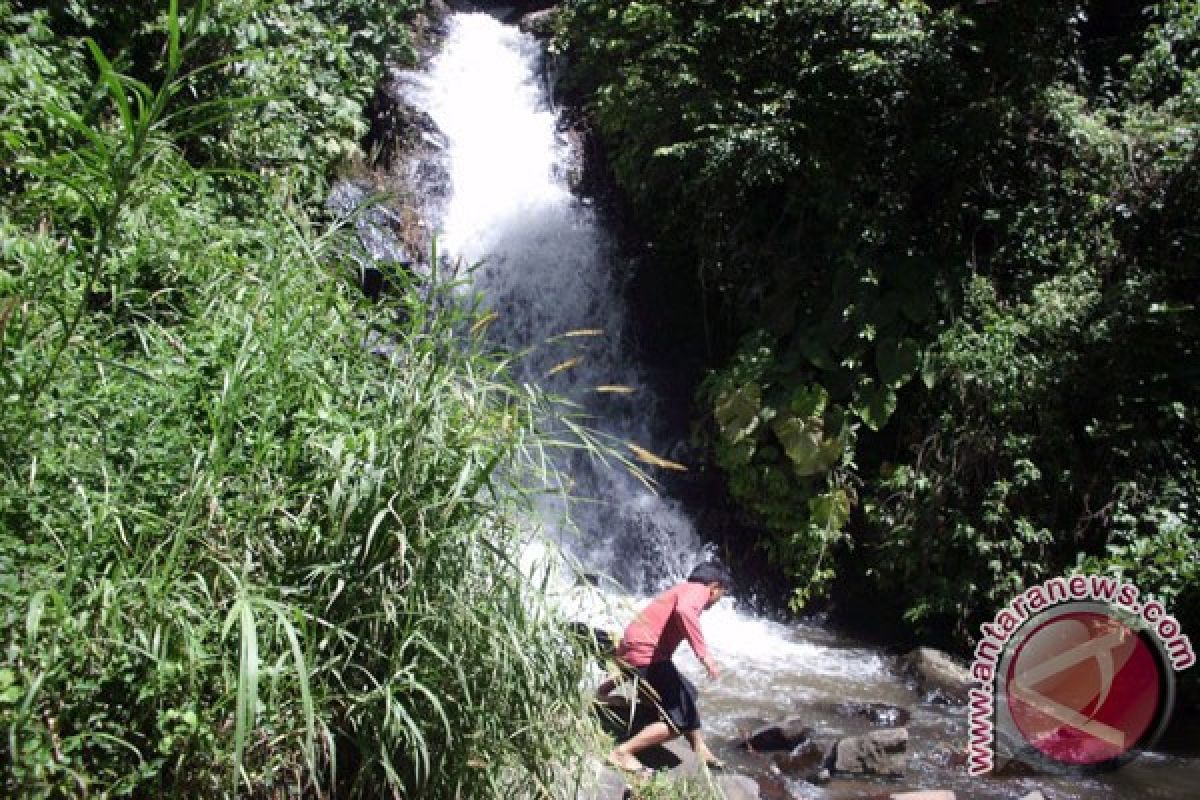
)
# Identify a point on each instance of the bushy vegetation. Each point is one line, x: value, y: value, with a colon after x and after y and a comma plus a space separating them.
x: 949, y: 255
x: 256, y: 533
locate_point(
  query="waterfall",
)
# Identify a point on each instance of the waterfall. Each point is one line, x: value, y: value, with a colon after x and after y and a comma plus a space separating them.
x: 548, y: 270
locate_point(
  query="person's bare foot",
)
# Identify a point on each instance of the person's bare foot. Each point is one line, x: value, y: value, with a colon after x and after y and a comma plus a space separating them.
x: 628, y: 763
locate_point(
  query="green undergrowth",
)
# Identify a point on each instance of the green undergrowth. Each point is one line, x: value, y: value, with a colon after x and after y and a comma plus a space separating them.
x: 257, y: 535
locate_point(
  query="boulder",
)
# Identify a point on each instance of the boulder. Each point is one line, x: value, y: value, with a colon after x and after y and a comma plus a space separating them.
x: 938, y: 674
x: 745, y: 726
x: 786, y: 735
x: 737, y: 787
x: 875, y: 753
x: 927, y: 794
x: 607, y: 784
x: 539, y: 23
x: 771, y: 787
x: 800, y: 761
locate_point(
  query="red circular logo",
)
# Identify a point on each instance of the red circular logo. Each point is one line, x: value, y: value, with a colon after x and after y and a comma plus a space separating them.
x: 1084, y: 688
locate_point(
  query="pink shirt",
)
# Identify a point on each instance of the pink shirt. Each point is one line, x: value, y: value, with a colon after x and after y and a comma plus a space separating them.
x: 670, y: 618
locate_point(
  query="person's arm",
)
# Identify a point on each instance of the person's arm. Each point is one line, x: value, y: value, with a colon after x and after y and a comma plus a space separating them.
x: 688, y: 610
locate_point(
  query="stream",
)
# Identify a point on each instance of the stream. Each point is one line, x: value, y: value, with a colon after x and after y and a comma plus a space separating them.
x: 556, y: 283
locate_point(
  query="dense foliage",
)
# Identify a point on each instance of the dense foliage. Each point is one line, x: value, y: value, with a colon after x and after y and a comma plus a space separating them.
x: 950, y: 259
x: 255, y: 532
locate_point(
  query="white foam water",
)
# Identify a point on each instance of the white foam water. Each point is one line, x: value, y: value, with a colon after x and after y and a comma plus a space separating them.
x: 548, y: 270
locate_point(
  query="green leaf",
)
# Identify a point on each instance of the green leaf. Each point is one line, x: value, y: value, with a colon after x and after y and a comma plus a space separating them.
x: 897, y: 361
x: 875, y: 406
x: 115, y: 88
x: 736, y: 412
x: 174, y: 57
x: 930, y: 370
x: 809, y: 400
x: 830, y: 511
x: 804, y: 442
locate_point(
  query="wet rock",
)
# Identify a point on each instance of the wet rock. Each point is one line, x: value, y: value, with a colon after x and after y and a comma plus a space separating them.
x: 927, y: 794
x: 383, y: 253
x: 772, y: 788
x: 675, y: 756
x: 938, y: 674
x: 609, y: 784
x: 820, y: 777
x: 948, y: 757
x: 875, y: 753
x: 1013, y: 768
x: 800, y: 760
x: 539, y: 23
x: 397, y: 127
x: 784, y: 735
x: 737, y: 787
x: 881, y: 714
x: 748, y: 725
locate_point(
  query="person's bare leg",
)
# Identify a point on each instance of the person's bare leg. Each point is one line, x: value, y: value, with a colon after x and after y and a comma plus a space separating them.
x: 625, y: 755
x: 700, y: 748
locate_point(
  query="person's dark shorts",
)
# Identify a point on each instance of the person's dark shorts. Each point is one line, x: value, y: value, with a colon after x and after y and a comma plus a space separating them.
x: 671, y: 693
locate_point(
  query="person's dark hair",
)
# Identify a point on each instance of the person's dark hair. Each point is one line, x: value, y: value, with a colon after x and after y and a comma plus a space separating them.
x: 712, y: 572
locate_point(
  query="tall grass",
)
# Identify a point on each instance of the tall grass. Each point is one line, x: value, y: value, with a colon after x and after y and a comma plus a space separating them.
x: 240, y: 552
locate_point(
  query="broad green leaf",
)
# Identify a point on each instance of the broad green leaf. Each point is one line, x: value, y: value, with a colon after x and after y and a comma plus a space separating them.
x: 897, y: 361
x: 830, y: 511
x: 804, y: 442
x: 875, y: 406
x: 808, y: 400
x: 736, y: 412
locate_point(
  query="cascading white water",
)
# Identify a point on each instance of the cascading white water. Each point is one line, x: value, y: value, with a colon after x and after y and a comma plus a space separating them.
x: 547, y: 268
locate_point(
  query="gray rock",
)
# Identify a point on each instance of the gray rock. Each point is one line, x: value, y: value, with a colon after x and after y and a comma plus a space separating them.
x: 1034, y: 795
x: 924, y: 794
x: 539, y: 23
x: 737, y: 787
x: 875, y: 753
x: 786, y: 735
x: 607, y: 784
x: 938, y: 674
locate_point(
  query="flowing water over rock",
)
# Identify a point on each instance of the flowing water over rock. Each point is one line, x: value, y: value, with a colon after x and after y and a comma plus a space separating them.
x: 551, y: 274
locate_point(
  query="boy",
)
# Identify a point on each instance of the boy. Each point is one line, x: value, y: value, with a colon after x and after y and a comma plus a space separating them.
x: 646, y: 649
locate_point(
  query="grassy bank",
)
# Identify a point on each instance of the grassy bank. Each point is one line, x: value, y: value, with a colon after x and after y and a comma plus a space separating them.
x: 240, y: 552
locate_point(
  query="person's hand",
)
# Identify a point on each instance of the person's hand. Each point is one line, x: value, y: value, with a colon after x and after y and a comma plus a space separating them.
x: 711, y: 666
